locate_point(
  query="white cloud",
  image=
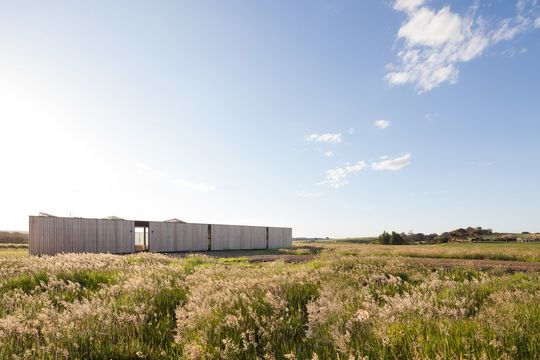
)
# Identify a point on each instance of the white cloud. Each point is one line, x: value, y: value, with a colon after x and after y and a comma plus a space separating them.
x: 509, y: 28
x: 326, y: 138
x: 537, y: 23
x: 337, y: 177
x: 382, y: 124
x: 392, y: 164
x: 329, y: 154
x: 350, y: 131
x: 435, y: 42
x: 407, y: 5
x: 426, y: 27
x: 193, y: 185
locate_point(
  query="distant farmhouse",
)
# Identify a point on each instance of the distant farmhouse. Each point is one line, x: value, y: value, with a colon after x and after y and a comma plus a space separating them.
x: 51, y: 235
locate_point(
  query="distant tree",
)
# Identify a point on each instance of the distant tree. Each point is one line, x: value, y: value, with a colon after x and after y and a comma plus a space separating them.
x: 431, y: 238
x: 418, y: 238
x: 462, y: 234
x: 8, y: 237
x: 392, y: 238
x: 396, y: 239
x: 384, y: 238
x: 443, y: 238
x: 404, y: 238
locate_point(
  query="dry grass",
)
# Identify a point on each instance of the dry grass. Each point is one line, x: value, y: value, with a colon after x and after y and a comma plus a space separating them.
x: 479, y: 251
x: 346, y: 301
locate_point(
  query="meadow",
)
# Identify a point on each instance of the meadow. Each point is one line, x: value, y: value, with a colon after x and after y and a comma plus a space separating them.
x: 510, y: 251
x: 318, y: 300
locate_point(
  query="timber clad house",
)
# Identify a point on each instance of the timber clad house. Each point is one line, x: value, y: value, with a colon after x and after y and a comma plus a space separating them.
x: 51, y: 235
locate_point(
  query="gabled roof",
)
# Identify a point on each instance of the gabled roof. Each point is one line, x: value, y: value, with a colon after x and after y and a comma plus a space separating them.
x: 45, y: 214
x: 175, y: 220
x: 113, y: 218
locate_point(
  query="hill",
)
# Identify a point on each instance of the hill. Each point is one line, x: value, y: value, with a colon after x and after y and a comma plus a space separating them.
x: 13, y: 237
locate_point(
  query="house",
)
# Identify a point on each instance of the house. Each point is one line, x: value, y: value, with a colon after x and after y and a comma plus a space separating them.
x: 51, y: 235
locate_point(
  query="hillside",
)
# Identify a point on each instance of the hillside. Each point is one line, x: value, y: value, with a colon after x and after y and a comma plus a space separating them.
x: 13, y: 237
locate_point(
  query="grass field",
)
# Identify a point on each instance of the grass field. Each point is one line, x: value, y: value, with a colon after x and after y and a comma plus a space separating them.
x: 480, y: 251
x: 336, y: 300
x: 11, y: 250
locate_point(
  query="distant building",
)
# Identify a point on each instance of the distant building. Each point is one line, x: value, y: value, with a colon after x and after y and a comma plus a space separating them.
x: 51, y: 235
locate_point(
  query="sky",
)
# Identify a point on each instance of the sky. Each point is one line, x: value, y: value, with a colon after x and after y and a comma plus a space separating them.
x: 336, y: 118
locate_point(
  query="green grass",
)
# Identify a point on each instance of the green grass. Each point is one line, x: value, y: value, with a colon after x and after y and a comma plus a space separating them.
x: 92, y: 280
x: 8, y: 252
x: 234, y: 260
x: 347, y: 300
x: 529, y: 252
x: 25, y: 283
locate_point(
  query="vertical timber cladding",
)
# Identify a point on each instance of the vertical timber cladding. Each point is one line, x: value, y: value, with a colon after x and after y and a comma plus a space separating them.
x: 36, y: 235
x: 53, y: 235
x: 279, y: 237
x: 113, y: 236
x: 83, y: 235
x: 238, y: 237
x: 48, y: 235
x: 171, y: 237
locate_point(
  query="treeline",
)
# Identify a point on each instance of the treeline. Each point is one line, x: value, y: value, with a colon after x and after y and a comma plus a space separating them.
x: 468, y: 234
x: 12, y: 237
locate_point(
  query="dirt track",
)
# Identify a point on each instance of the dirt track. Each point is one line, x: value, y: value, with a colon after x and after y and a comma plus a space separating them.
x: 251, y: 255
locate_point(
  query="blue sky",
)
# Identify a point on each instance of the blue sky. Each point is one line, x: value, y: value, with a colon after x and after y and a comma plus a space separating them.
x: 337, y: 118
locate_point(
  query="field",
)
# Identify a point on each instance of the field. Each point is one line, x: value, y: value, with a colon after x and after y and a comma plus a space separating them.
x: 318, y: 300
x: 479, y: 251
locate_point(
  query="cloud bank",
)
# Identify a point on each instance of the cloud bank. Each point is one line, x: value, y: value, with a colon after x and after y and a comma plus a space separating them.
x: 434, y: 42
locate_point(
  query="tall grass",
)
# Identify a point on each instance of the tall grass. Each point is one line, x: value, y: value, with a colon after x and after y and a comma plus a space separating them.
x: 332, y: 307
x: 529, y: 252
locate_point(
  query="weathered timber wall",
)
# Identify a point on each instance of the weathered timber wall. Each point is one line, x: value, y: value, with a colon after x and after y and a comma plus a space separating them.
x: 279, y: 237
x: 171, y: 237
x: 238, y: 237
x: 53, y: 235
